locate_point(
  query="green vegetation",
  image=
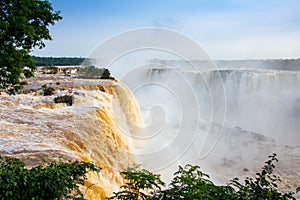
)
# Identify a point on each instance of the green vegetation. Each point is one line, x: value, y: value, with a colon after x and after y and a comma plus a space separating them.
x: 57, y: 61
x: 23, y: 26
x: 137, y: 185
x: 62, y: 180
x: 190, y: 183
x: 49, y: 181
x: 263, y: 185
x: 93, y: 72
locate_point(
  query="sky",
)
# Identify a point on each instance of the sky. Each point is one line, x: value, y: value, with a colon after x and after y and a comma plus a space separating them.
x: 225, y: 29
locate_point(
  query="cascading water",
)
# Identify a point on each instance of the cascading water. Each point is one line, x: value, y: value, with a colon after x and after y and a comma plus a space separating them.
x: 258, y: 100
x: 36, y: 130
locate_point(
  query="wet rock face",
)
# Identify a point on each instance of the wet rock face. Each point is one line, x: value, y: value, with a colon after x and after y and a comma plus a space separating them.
x: 68, y: 99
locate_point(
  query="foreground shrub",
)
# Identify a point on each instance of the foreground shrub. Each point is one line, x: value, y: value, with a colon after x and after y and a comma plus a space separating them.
x: 52, y: 181
x: 189, y: 183
x: 263, y: 185
x: 138, y: 184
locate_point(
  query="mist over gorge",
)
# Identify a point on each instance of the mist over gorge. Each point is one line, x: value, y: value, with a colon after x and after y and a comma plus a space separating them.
x: 262, y: 100
x: 261, y: 116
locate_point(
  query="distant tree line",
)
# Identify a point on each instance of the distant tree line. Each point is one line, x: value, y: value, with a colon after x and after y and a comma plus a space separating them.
x: 57, y: 61
x: 279, y: 64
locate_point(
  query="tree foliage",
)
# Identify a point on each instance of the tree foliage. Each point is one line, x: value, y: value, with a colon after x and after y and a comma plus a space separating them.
x: 263, y: 185
x: 94, y: 72
x: 138, y: 184
x: 61, y: 180
x: 58, y: 61
x: 190, y: 183
x: 23, y: 26
x: 51, y: 181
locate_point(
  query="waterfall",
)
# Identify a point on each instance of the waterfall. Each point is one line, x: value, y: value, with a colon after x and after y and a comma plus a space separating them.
x: 35, y: 129
x: 263, y: 101
x: 262, y: 116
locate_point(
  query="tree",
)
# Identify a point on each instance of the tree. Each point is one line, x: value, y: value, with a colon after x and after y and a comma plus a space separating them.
x: 106, y: 74
x: 62, y: 61
x: 263, y: 185
x: 23, y: 26
x: 138, y: 184
x: 189, y: 183
x: 51, y: 181
x: 94, y: 72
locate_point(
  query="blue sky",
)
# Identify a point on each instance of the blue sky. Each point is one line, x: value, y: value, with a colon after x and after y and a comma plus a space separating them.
x: 226, y: 29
